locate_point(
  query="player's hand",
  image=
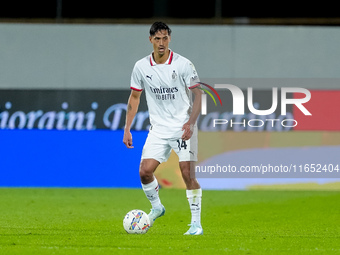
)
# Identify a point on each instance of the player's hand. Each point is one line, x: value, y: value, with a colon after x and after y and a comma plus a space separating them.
x: 127, y: 139
x: 188, y: 130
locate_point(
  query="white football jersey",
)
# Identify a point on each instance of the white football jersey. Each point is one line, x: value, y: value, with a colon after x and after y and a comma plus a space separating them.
x: 167, y: 92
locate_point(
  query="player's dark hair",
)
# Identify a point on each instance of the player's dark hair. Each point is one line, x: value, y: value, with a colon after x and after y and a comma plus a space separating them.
x: 158, y: 26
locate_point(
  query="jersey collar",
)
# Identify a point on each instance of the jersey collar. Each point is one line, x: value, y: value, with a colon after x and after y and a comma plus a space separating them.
x: 167, y: 62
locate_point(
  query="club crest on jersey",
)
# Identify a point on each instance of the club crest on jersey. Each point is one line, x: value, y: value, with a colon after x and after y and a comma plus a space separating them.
x: 174, y: 75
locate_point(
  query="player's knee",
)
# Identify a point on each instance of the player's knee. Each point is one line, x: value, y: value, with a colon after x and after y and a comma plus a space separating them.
x: 146, y: 175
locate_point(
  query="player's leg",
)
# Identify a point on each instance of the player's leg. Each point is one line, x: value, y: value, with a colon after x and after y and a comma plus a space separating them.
x: 147, y: 167
x: 187, y: 154
x: 194, y: 196
x: 188, y: 174
x: 151, y: 188
x: 149, y: 182
x: 155, y: 151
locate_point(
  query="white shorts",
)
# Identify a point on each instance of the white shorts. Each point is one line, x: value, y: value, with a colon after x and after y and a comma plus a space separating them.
x: 160, y: 148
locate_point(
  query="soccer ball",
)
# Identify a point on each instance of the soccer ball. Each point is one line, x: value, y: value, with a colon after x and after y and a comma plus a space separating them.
x: 136, y: 222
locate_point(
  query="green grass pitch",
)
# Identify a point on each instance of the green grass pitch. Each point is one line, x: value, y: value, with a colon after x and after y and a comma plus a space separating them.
x: 89, y: 221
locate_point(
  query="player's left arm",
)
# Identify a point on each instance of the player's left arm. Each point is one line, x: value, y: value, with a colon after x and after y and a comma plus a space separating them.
x: 188, y: 127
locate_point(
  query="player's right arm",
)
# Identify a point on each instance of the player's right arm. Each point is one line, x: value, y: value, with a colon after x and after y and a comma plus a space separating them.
x: 131, y: 111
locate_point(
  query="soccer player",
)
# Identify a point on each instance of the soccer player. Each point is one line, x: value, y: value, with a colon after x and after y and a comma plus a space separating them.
x: 169, y: 80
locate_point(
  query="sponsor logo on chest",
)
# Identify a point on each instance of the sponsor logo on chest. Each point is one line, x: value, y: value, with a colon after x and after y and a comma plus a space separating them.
x: 162, y: 85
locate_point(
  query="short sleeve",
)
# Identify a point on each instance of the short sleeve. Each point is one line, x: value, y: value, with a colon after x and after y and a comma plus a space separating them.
x: 136, y: 79
x: 190, y: 76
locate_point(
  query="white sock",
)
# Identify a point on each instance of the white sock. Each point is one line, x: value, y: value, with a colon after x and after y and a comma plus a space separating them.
x: 194, y: 198
x: 151, y: 192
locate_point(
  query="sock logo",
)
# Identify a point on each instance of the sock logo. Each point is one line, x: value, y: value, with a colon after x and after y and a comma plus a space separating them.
x: 195, y: 207
x: 150, y: 197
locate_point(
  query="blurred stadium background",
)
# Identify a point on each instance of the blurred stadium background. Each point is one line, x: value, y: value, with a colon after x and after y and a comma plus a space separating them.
x: 64, y: 82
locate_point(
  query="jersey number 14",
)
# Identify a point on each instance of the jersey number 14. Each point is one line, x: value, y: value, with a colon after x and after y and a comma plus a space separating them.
x: 182, y: 144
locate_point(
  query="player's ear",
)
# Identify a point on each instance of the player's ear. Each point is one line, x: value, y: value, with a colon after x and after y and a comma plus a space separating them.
x: 150, y: 38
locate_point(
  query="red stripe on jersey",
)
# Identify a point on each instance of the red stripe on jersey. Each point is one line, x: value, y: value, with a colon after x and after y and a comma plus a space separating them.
x: 170, y: 59
x: 151, y: 61
x: 136, y: 89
